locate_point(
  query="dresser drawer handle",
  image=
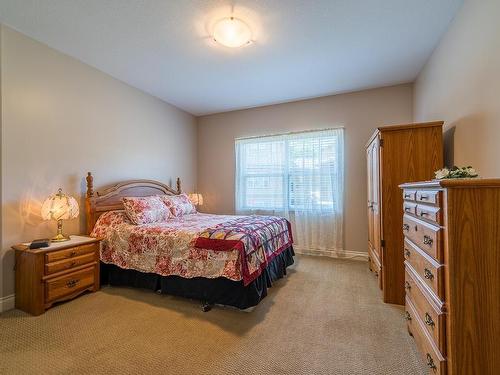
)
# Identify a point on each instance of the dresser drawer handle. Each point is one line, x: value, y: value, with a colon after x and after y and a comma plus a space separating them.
x: 407, y: 286
x: 407, y: 195
x: 73, y: 253
x: 430, y: 362
x: 428, y: 240
x: 407, y: 253
x: 407, y: 316
x: 424, y: 197
x: 407, y: 209
x: 428, y: 320
x: 72, y: 283
x: 428, y: 274
x: 406, y: 227
x: 422, y: 213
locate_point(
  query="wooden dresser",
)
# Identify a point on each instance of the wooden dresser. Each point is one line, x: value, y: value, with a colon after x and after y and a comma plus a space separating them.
x: 452, y: 278
x: 396, y: 154
x: 56, y: 273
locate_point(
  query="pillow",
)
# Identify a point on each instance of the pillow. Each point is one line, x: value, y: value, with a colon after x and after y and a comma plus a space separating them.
x: 179, y: 204
x: 107, y: 220
x: 145, y: 210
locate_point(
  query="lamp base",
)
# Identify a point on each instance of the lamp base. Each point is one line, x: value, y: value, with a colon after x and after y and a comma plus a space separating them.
x: 60, y: 238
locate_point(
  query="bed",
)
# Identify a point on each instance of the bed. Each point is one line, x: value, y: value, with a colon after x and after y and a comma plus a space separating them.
x: 216, y: 259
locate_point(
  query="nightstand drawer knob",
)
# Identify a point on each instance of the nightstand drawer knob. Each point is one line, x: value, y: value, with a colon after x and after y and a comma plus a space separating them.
x: 72, y: 283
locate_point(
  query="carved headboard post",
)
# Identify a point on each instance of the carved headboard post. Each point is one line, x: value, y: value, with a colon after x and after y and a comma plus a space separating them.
x: 90, y: 185
x: 179, y: 185
x: 89, y: 211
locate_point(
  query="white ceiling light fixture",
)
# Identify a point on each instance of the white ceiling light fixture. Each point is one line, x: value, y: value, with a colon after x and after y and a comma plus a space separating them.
x: 232, y: 32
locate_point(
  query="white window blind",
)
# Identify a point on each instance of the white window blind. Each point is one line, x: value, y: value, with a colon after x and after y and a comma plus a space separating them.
x: 299, y: 171
x: 299, y: 176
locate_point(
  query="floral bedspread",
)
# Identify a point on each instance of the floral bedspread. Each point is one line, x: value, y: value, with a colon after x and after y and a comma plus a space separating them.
x: 168, y: 248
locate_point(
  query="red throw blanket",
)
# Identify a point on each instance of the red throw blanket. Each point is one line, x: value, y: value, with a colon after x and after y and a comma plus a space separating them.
x: 263, y: 237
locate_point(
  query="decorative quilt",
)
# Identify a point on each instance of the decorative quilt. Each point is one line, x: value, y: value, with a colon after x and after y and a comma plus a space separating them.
x: 259, y: 237
x: 168, y: 248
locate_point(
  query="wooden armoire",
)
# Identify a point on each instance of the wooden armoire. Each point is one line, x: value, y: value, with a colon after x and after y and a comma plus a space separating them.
x: 395, y: 155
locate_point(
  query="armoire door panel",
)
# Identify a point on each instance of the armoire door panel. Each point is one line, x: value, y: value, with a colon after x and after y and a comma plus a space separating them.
x: 395, y: 155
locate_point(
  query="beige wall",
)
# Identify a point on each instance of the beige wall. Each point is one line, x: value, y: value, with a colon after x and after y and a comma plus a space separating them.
x: 461, y: 85
x: 358, y: 112
x: 62, y: 118
x: 1, y: 151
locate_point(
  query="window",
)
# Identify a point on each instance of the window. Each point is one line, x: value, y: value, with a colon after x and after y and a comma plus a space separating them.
x: 290, y: 172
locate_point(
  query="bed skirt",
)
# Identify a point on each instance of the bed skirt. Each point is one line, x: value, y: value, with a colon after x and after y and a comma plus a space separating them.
x: 211, y: 291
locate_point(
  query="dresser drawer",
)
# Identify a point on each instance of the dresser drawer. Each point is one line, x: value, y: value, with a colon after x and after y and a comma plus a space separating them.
x: 429, y: 313
x: 68, y: 284
x: 55, y: 256
x: 67, y: 264
x: 425, y: 235
x: 409, y: 195
x: 430, y: 271
x: 409, y: 207
x: 429, y: 213
x: 432, y: 357
x: 428, y: 196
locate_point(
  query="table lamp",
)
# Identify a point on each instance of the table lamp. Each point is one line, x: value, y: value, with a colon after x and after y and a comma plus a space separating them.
x: 196, y: 198
x: 60, y: 207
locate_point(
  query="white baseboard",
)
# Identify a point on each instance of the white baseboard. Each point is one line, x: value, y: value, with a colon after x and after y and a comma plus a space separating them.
x: 343, y: 254
x: 7, y: 302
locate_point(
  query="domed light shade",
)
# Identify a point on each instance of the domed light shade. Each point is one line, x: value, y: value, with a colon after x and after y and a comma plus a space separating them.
x: 60, y: 207
x: 196, y: 198
x: 232, y: 32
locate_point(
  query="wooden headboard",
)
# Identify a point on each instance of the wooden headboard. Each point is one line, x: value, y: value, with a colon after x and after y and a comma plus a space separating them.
x: 99, y: 202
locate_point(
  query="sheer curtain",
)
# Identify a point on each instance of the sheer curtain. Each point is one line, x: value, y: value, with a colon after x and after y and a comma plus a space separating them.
x: 299, y: 176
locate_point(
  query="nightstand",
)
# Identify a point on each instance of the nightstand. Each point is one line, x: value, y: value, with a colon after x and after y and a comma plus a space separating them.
x: 56, y: 273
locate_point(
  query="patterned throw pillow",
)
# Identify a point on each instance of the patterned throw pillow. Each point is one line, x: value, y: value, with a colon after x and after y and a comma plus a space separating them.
x: 109, y: 219
x: 179, y: 204
x: 145, y: 210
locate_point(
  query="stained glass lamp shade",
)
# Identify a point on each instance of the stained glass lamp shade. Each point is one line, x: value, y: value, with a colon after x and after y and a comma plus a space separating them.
x: 60, y: 207
x: 196, y: 198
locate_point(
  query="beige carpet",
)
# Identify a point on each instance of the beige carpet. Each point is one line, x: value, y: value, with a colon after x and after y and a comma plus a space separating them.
x: 326, y: 317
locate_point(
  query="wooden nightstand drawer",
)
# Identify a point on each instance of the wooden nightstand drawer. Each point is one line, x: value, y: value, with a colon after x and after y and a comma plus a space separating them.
x: 69, y: 284
x: 55, y: 256
x: 67, y: 264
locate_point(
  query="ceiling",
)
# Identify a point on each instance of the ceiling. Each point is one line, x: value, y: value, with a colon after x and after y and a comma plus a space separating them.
x: 302, y: 48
